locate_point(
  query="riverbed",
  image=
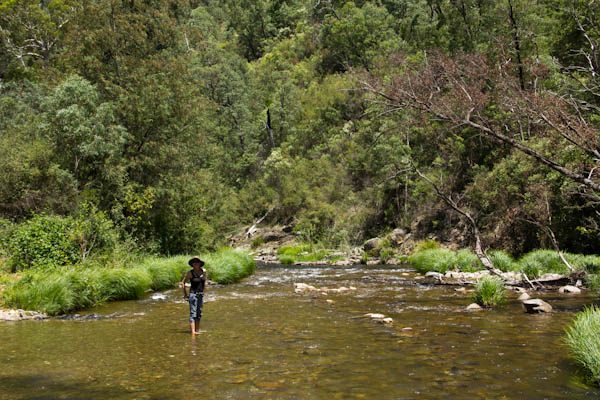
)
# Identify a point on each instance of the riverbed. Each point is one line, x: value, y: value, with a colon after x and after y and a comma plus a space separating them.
x: 261, y: 340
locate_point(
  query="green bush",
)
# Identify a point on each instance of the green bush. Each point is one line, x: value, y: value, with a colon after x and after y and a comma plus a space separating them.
x: 287, y: 259
x: 257, y: 242
x: 438, y: 260
x: 583, y: 339
x: 503, y: 261
x: 293, y: 250
x: 43, y: 241
x: 429, y: 244
x: 385, y: 254
x: 489, y: 292
x: 48, y: 241
x: 467, y: 261
x: 543, y: 261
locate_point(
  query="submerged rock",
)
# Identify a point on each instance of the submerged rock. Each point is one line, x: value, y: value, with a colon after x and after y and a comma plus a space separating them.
x: 474, y: 307
x: 374, y: 316
x: 534, y: 306
x: 524, y: 296
x: 569, y: 289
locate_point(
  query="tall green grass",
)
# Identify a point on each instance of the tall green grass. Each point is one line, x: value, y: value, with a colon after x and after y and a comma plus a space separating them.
x: 489, y: 292
x: 534, y: 264
x: 68, y: 289
x: 583, y: 339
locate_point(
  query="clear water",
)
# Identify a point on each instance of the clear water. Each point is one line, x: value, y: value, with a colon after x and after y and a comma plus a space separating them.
x: 263, y: 341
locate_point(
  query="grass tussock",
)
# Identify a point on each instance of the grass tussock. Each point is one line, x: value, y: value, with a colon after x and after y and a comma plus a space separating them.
x: 489, y: 292
x: 68, y: 289
x: 534, y: 263
x: 303, y: 253
x: 583, y: 339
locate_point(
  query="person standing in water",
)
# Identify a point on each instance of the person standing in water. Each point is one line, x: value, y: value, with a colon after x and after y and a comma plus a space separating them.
x: 197, y: 278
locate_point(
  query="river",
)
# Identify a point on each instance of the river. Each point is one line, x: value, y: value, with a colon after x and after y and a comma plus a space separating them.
x: 262, y: 340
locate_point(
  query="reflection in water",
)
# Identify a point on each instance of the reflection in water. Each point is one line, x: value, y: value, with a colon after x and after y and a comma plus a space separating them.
x: 263, y: 341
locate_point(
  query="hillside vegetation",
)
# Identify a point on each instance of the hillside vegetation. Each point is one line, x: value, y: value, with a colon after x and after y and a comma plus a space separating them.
x: 165, y: 126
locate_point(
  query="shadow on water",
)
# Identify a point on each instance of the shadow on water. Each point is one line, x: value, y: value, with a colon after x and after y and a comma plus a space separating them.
x: 49, y: 386
x: 261, y: 340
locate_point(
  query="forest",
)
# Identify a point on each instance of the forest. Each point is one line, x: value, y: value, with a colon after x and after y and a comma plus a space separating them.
x: 166, y: 126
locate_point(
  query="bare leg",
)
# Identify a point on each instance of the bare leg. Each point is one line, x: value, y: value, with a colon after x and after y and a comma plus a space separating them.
x: 192, y: 328
x: 197, y: 326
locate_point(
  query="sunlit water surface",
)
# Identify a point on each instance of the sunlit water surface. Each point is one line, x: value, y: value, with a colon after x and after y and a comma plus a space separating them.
x: 263, y: 341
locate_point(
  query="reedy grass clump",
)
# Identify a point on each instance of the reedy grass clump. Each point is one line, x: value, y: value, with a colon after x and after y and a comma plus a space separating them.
x: 534, y: 263
x: 503, y: 261
x: 438, y: 260
x: 583, y: 339
x: 489, y: 292
x: 68, y: 289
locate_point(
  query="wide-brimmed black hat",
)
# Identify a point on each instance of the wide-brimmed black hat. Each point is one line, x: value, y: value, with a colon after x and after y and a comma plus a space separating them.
x: 194, y: 259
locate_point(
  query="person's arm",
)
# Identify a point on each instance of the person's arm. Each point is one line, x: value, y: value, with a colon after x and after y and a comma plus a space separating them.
x: 185, y: 279
x: 205, y: 279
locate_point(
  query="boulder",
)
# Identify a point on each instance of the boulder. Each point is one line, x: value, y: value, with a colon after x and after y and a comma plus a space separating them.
x: 534, y: 306
x: 524, y: 296
x: 461, y: 290
x: 434, y: 275
x: 474, y: 307
x: 273, y: 236
x: 374, y: 316
x: 569, y: 289
x: 387, y: 320
x: 371, y: 244
x: 303, y: 287
x: 397, y: 236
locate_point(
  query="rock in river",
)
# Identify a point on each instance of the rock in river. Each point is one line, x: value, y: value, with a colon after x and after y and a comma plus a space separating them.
x: 533, y: 306
x: 569, y: 289
x: 474, y: 307
x: 524, y: 296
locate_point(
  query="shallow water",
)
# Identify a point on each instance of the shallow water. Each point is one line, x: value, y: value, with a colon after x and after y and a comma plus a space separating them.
x: 263, y: 341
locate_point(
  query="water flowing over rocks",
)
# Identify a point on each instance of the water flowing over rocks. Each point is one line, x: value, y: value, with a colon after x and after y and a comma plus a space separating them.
x: 304, y: 288
x: 20, y: 315
x: 534, y: 306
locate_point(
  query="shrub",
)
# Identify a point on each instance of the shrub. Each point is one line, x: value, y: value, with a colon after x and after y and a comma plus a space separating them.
x: 503, y: 261
x: 531, y: 268
x: 439, y: 260
x: 257, y: 242
x: 467, y: 261
x: 43, y: 241
x: 385, y: 254
x: 583, y: 339
x: 292, y: 250
x: 489, y: 292
x: 543, y: 261
x: 429, y: 244
x: 287, y: 259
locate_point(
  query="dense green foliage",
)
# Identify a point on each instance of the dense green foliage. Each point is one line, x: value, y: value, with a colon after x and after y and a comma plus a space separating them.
x: 489, y: 292
x: 181, y: 122
x: 71, y: 288
x: 583, y: 339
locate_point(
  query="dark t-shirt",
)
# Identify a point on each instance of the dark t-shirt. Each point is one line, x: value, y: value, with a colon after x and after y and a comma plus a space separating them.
x: 197, y: 282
